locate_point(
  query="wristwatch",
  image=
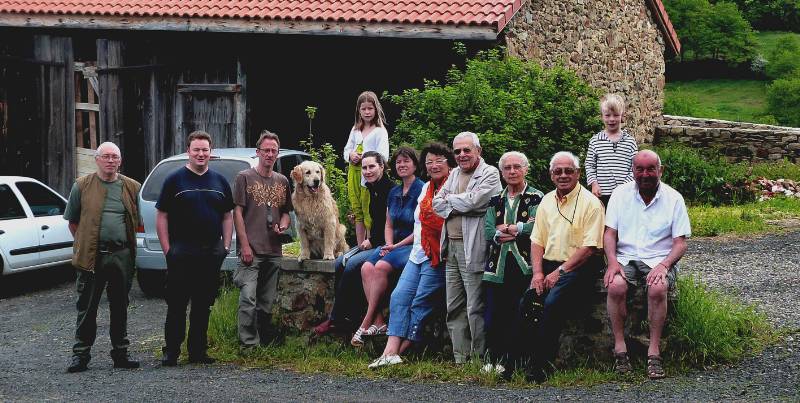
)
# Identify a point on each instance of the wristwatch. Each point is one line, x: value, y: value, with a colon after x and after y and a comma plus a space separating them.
x: 561, y: 270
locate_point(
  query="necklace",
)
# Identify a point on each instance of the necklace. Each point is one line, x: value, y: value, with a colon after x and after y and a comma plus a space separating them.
x: 570, y: 220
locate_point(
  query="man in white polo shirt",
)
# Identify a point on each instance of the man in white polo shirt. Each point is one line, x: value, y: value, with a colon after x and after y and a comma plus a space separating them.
x: 646, y: 230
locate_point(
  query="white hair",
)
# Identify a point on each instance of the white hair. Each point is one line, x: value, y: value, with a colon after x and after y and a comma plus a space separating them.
x: 561, y: 154
x: 645, y: 152
x: 517, y: 154
x: 470, y: 135
x: 107, y: 144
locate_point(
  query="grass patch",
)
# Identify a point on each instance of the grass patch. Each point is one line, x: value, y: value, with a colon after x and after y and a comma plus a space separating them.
x: 750, y: 218
x: 708, y: 328
x: 291, y: 249
x: 767, y: 41
x: 736, y: 100
x: 775, y: 170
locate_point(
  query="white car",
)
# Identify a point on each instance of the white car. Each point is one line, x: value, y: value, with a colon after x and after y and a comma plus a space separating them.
x: 33, y: 232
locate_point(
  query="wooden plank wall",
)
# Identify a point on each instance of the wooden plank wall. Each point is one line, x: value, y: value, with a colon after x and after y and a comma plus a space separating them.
x: 57, y: 106
x: 111, y: 96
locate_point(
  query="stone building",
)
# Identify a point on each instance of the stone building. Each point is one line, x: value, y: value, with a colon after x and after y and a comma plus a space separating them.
x: 146, y: 73
x: 615, y: 45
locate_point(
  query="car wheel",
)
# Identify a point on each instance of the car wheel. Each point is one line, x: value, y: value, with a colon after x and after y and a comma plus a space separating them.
x: 152, y: 282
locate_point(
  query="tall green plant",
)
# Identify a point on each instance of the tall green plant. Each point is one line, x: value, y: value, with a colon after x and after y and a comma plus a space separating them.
x: 509, y: 103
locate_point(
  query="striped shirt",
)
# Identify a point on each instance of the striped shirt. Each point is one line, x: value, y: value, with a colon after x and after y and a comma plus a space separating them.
x: 609, y: 162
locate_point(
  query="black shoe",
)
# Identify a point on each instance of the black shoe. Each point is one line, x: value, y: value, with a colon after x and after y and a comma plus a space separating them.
x: 78, y: 364
x: 168, y: 358
x: 125, y: 362
x: 202, y: 359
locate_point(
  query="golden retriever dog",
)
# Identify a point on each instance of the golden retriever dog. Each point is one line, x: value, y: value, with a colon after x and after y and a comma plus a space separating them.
x: 321, y: 234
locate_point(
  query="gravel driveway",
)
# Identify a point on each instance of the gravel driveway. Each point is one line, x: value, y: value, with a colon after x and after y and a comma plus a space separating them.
x: 37, y: 319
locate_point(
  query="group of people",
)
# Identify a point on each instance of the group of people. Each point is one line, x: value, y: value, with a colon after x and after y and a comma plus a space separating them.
x: 196, y: 214
x: 461, y: 241
x: 447, y: 235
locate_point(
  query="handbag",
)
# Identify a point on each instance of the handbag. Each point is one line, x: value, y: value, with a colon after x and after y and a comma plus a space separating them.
x: 531, y: 307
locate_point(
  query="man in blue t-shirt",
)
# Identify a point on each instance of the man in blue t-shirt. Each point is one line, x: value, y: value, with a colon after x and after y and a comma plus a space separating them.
x: 194, y: 225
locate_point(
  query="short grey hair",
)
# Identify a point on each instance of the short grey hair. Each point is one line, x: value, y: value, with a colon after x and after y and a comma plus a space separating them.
x: 561, y: 154
x: 517, y: 154
x: 107, y: 144
x: 645, y: 152
x: 470, y: 135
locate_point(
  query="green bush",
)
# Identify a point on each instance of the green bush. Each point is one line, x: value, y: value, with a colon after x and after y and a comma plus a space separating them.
x: 784, y: 59
x: 783, y: 169
x: 783, y: 98
x: 509, y: 103
x: 709, y: 328
x: 702, y: 179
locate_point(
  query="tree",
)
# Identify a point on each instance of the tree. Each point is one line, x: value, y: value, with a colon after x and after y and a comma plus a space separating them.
x: 712, y: 31
x: 772, y: 15
x: 510, y: 104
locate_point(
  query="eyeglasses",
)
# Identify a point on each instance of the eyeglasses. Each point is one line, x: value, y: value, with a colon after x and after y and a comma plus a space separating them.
x: 465, y: 150
x: 567, y: 171
x: 109, y: 157
x: 268, y: 150
x: 435, y: 162
x: 515, y: 167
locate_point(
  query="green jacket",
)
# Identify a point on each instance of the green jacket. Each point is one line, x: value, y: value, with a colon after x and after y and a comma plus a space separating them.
x: 522, y: 210
x: 93, y: 198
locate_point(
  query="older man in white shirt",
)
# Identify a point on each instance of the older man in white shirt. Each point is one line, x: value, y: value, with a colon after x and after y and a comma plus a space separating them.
x: 646, y: 230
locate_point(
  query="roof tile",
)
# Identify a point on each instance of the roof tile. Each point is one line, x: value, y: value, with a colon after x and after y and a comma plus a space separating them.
x: 460, y: 12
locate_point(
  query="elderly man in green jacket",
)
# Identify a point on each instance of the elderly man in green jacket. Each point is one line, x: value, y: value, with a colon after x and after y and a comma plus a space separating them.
x: 103, y: 215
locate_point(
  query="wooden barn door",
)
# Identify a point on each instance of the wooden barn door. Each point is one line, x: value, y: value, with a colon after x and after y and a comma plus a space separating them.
x: 210, y: 108
x: 217, y: 108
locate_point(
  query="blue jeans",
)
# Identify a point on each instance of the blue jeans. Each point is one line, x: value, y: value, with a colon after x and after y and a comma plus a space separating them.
x: 560, y: 302
x: 349, y: 303
x: 418, y: 292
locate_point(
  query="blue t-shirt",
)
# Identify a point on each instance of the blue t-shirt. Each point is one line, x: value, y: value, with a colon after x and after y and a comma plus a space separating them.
x: 401, y: 209
x: 195, y: 205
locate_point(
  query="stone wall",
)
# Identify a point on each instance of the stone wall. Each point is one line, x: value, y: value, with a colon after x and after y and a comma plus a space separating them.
x: 306, y: 296
x: 305, y: 293
x: 615, y: 45
x: 738, y: 141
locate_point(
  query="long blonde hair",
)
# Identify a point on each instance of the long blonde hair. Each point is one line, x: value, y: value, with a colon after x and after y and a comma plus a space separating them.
x: 379, y: 120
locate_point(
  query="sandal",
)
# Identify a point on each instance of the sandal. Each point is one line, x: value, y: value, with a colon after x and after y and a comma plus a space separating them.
x: 622, y: 364
x: 375, y: 330
x: 655, y: 367
x: 357, y: 341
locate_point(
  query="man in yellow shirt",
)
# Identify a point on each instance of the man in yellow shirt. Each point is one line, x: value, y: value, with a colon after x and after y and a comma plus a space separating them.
x: 567, y: 233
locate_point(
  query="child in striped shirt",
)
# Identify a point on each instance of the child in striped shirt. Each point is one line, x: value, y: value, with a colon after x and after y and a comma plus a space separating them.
x: 610, y: 153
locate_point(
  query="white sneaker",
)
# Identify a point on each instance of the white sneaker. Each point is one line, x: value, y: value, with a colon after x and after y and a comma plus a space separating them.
x: 493, y: 369
x: 385, y: 361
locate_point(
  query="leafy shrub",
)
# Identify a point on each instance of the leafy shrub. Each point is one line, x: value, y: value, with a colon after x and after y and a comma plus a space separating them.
x: 709, y: 327
x: 703, y: 179
x: 715, y: 31
x: 784, y: 59
x: 783, y: 169
x: 509, y: 103
x: 783, y: 98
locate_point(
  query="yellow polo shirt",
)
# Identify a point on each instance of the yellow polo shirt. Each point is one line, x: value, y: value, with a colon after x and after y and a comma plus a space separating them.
x: 560, y: 238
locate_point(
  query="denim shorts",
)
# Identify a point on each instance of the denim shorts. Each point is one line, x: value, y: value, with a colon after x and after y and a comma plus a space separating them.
x: 397, y: 258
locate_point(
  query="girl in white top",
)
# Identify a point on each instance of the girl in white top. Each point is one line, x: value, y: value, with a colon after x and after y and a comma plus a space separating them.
x: 368, y: 134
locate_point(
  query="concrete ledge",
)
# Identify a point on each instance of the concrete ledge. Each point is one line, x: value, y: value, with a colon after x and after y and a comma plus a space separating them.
x: 310, y: 266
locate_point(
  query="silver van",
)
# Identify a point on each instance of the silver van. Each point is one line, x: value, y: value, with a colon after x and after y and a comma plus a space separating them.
x: 150, y: 262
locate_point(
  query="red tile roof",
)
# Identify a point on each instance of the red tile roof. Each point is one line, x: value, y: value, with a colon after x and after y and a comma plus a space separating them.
x: 485, y: 13
x: 494, y: 13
